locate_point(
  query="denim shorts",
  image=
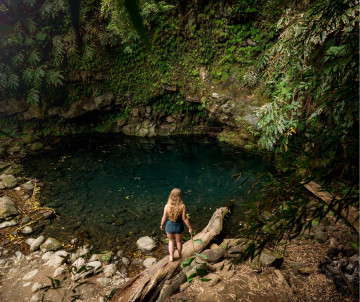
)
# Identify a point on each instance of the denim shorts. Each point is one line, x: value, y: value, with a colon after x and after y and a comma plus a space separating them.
x: 174, y: 227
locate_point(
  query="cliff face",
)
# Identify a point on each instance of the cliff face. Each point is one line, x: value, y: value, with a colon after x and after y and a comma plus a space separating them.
x: 215, y: 106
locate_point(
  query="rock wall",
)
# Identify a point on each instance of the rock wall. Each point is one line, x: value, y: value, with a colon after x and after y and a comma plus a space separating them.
x: 226, y: 105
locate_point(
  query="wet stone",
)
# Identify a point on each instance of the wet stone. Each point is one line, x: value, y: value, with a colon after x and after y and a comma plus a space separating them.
x: 27, y: 230
x: 125, y: 261
x: 7, y: 208
x: 9, y: 181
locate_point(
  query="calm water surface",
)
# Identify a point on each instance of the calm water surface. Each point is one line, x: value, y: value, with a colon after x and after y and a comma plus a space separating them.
x: 110, y: 190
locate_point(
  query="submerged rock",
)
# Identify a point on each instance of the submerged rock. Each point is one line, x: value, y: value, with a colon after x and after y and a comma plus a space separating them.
x: 27, y: 230
x: 9, y: 181
x: 125, y: 261
x: 28, y: 186
x: 149, y: 262
x: 7, y: 208
x: 7, y: 224
x: 37, y: 146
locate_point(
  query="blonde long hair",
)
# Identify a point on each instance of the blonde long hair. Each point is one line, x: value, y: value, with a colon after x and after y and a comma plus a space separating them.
x: 175, y: 204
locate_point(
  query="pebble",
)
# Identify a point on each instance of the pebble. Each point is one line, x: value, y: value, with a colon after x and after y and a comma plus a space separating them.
x: 124, y: 272
x: 35, y: 298
x: 110, y: 270
x: 26, y: 284
x: 7, y: 224
x: 30, y: 275
x: 18, y: 254
x: 125, y: 261
x: 36, y: 287
x: 104, y: 281
x: 120, y: 253
x: 79, y: 263
x: 60, y: 270
x: 137, y: 261
x: 74, y: 241
x: 95, y: 266
x: 27, y: 230
x: 28, y: 186
x: 36, y: 244
x: 47, y: 255
x: 25, y: 220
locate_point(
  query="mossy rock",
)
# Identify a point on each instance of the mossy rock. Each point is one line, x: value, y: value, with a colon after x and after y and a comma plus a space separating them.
x: 28, y: 139
x: 14, y: 169
x: 4, y: 165
x: 37, y: 146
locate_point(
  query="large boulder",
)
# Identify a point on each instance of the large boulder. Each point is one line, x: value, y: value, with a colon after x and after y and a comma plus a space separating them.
x: 146, y: 244
x: 7, y: 208
x: 51, y: 244
x: 9, y: 181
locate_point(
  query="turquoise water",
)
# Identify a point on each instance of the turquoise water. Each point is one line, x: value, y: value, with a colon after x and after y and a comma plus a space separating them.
x: 110, y: 190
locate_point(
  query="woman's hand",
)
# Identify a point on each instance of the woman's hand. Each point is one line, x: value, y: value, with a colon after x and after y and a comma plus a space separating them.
x: 161, y: 227
x: 190, y: 230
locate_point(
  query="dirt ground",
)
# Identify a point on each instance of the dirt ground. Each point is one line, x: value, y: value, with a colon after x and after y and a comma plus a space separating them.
x: 239, y: 282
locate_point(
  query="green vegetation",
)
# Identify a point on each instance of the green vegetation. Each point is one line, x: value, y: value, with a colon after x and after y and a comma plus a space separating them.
x: 302, y: 59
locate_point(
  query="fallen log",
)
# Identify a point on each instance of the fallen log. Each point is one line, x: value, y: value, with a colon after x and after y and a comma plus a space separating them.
x: 350, y: 214
x: 146, y: 286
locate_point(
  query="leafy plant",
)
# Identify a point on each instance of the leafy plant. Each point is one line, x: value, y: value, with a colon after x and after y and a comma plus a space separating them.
x: 198, y: 268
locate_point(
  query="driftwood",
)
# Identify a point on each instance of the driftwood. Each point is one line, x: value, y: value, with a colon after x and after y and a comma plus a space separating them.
x: 146, y: 286
x: 351, y: 214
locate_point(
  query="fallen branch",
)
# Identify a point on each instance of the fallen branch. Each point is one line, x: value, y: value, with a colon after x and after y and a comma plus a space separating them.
x: 350, y: 215
x: 146, y: 286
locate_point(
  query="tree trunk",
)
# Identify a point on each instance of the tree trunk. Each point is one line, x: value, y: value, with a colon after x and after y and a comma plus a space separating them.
x: 147, y: 285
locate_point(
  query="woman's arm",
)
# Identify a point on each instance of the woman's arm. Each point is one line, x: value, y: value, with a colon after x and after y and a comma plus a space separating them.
x: 163, y: 219
x: 186, y: 220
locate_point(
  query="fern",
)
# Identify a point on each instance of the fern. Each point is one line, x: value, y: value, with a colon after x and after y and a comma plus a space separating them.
x: 13, y: 81
x: 58, y: 50
x: 34, y: 57
x: 54, y: 78
x: 33, y: 97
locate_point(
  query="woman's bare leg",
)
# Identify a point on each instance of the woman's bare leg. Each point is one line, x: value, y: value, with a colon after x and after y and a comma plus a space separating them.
x: 179, y: 243
x: 171, y: 245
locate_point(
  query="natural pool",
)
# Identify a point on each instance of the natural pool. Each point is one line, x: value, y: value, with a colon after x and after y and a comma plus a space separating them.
x: 110, y: 190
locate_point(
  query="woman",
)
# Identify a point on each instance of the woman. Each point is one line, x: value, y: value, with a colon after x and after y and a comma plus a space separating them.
x: 175, y: 210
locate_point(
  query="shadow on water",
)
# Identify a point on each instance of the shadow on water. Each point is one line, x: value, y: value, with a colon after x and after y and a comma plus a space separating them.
x: 110, y: 189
